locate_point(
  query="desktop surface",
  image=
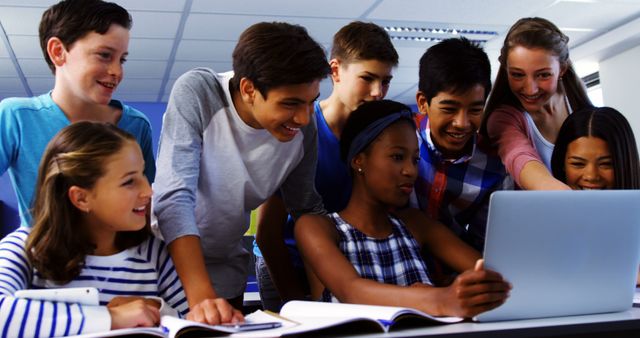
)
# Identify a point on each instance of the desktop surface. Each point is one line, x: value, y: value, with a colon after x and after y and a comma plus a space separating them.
x: 617, y: 324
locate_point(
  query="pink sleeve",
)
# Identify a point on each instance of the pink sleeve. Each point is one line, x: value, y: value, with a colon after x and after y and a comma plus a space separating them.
x: 508, y: 130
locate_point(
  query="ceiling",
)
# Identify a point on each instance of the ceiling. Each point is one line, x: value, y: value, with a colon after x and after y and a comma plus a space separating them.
x: 170, y: 37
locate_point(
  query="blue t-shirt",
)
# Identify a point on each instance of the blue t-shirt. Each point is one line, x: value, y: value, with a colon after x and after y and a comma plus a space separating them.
x: 332, y: 181
x: 26, y: 127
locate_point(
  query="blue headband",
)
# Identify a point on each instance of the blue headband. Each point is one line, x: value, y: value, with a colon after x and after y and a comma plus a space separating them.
x: 368, y: 134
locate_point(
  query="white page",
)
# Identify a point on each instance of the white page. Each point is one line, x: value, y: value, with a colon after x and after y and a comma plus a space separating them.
x: 301, y: 309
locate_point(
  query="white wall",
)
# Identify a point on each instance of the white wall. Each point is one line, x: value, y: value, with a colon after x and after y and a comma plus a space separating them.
x: 620, y: 81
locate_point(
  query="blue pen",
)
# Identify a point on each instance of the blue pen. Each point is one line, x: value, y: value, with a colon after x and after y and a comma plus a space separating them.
x: 385, y: 322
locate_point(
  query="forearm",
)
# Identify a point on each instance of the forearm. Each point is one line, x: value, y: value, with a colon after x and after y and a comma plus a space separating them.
x: 62, y: 319
x: 535, y: 176
x: 272, y: 217
x: 188, y: 259
x: 425, y: 298
x: 452, y: 250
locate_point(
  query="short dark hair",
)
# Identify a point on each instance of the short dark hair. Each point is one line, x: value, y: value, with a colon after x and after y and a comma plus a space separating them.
x: 612, y: 127
x: 274, y: 54
x: 70, y: 20
x: 454, y: 65
x: 359, y: 41
x: 366, y: 114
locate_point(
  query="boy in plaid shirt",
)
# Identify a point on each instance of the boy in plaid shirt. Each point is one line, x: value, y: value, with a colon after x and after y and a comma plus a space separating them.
x: 457, y: 170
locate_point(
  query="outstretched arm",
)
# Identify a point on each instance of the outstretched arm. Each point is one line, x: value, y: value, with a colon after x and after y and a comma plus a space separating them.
x: 471, y: 293
x: 440, y: 240
x: 507, y: 129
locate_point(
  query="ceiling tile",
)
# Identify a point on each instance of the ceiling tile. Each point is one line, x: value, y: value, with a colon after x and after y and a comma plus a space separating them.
x: 3, y: 51
x: 325, y: 8
x: 34, y: 67
x: 457, y: 12
x: 208, y: 51
x: 229, y: 27
x: 21, y: 20
x: 26, y: 46
x: 154, y: 24
x: 181, y: 67
x: 138, y: 86
x: 144, y: 69
x: 219, y: 27
x: 150, y: 49
x: 410, y: 57
x: 590, y: 16
x: 28, y: 3
x: 7, y: 69
x: 40, y: 85
x: 152, y: 5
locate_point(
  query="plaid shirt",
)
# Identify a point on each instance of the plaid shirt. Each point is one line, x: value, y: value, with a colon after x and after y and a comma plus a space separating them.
x: 456, y: 191
x: 392, y: 260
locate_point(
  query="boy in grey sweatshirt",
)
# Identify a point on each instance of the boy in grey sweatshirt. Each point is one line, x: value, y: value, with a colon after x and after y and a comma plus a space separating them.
x: 228, y: 142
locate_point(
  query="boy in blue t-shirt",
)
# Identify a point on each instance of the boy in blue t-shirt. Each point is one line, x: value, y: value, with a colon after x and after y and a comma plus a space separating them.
x: 362, y: 58
x: 86, y: 57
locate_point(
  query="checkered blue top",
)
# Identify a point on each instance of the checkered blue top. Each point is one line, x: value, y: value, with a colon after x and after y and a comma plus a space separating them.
x: 392, y: 260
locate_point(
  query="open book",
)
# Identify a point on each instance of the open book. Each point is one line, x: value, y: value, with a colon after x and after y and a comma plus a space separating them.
x: 296, y: 318
x: 172, y: 327
x: 341, y: 317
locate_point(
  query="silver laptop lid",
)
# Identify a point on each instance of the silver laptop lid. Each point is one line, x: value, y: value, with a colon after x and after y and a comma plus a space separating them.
x: 565, y: 252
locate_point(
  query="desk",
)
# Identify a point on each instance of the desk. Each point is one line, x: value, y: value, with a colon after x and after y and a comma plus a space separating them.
x: 619, y: 324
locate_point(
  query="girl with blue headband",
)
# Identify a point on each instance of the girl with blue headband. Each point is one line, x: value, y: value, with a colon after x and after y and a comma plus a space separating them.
x: 369, y: 253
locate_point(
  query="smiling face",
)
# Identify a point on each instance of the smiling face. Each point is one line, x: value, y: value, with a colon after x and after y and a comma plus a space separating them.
x: 285, y: 110
x: 588, y: 164
x: 360, y: 81
x: 390, y: 165
x: 453, y: 118
x: 92, y: 67
x: 533, y: 76
x: 118, y: 200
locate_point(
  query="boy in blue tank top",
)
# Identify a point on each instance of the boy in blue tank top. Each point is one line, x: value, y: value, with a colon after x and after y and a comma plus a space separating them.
x: 86, y: 57
x: 362, y: 59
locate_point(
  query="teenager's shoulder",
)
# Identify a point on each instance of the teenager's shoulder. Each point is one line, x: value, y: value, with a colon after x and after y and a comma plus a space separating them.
x: 21, y: 104
x: 16, y: 239
x: 149, y: 250
x: 204, y: 79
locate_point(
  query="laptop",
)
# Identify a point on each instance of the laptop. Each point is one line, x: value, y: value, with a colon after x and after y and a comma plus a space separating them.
x: 564, y: 252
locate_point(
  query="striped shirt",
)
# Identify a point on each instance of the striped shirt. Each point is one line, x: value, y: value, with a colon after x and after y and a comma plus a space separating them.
x: 392, y: 260
x: 456, y: 191
x: 144, y: 270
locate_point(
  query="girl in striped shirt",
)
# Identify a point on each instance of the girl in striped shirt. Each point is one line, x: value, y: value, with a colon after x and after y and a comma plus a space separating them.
x: 90, y: 230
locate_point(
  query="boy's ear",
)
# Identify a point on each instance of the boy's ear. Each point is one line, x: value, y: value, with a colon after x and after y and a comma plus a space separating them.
x: 56, y: 51
x: 79, y: 197
x: 335, y: 70
x: 247, y: 90
x: 422, y: 103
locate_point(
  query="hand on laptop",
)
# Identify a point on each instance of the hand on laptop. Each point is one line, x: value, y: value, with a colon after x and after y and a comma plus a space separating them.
x: 475, y: 291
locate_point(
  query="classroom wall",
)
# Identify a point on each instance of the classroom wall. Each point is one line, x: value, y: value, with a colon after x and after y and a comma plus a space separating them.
x: 619, y: 76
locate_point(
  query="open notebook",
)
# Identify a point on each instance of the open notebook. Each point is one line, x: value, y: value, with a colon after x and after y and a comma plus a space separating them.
x: 297, y: 318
